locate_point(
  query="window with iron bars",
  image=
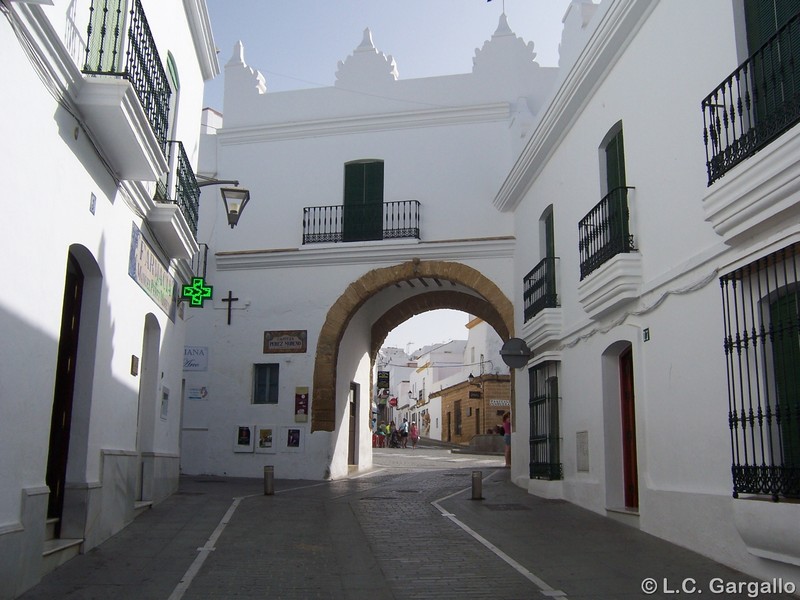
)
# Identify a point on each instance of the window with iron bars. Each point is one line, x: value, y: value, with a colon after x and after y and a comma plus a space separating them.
x: 545, y: 461
x: 762, y: 353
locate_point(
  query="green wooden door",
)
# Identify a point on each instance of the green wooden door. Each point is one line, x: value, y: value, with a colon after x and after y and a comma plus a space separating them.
x: 363, y: 201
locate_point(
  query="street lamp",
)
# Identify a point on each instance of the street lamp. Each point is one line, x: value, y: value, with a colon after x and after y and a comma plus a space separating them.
x: 234, y: 198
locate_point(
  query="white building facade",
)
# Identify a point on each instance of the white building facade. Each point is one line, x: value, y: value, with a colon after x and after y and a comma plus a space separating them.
x: 100, y: 147
x: 656, y: 210
x: 349, y: 233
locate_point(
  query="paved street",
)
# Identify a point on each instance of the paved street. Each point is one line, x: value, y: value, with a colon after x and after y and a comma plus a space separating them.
x: 406, y: 530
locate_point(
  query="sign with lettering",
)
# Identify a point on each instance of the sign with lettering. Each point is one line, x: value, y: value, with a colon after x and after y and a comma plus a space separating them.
x: 383, y: 380
x: 146, y: 269
x: 277, y: 342
x: 499, y: 402
x: 195, y: 358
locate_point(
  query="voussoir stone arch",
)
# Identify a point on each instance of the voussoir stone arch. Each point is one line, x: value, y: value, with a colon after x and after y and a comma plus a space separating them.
x: 491, y: 304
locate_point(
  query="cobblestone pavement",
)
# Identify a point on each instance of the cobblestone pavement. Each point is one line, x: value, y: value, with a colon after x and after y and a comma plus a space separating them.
x: 407, y: 530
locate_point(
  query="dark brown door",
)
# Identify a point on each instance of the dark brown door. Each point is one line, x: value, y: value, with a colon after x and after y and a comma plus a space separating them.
x: 64, y: 389
x: 629, y: 464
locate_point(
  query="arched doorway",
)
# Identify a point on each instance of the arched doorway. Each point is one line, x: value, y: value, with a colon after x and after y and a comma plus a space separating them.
x: 72, y: 390
x: 622, y: 469
x: 475, y: 293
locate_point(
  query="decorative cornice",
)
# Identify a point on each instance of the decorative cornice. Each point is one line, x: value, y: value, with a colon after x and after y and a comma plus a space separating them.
x: 202, y: 36
x: 371, y: 253
x: 615, y: 29
x: 439, y: 117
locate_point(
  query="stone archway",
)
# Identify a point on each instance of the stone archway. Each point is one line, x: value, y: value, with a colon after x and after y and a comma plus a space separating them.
x: 492, y: 305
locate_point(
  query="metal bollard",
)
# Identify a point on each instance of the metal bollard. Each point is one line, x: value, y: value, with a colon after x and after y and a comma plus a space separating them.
x: 477, y: 485
x: 269, y: 480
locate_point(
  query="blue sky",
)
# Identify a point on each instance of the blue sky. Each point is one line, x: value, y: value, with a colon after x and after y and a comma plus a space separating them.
x: 297, y: 44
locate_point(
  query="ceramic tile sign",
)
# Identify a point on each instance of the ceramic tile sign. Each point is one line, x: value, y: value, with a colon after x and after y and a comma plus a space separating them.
x: 282, y: 342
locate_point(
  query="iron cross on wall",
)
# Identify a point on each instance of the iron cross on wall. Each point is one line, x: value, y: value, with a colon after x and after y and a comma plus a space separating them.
x: 230, y: 300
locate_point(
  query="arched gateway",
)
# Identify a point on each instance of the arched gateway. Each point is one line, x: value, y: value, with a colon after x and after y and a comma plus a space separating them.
x: 488, y: 303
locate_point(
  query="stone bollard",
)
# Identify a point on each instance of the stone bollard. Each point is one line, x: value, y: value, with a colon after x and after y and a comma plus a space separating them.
x: 477, y: 485
x: 269, y: 480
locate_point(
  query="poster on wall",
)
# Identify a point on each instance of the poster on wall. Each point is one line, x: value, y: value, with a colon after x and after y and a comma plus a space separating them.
x: 244, y: 439
x: 265, y: 439
x: 301, y: 405
x: 293, y: 439
x: 197, y: 392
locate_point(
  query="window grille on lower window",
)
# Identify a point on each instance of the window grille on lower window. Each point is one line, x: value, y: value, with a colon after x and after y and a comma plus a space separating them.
x: 545, y: 462
x: 762, y: 353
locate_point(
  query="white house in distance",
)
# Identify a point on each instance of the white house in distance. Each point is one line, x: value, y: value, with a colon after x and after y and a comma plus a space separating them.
x: 656, y: 208
x: 98, y: 236
x: 349, y: 233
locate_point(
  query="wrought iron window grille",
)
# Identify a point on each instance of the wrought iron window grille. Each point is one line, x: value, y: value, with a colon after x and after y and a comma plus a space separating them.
x: 545, y: 440
x: 762, y: 354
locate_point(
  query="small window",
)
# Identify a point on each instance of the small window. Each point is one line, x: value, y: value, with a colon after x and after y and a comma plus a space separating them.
x: 265, y: 383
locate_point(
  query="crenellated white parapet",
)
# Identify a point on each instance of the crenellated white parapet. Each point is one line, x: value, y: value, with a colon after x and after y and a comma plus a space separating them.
x: 366, y: 66
x: 505, y: 55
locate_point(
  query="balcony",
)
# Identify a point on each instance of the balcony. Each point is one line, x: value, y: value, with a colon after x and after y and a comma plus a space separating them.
x: 755, y: 104
x: 542, y: 311
x: 365, y: 222
x: 605, y: 241
x: 605, y: 231
x: 125, y: 96
x: 539, y: 288
x: 174, y: 217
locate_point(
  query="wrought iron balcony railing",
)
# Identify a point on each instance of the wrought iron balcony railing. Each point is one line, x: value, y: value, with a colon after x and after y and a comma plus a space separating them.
x: 754, y: 105
x: 605, y: 231
x: 180, y: 185
x: 539, y: 288
x: 120, y: 44
x: 381, y: 221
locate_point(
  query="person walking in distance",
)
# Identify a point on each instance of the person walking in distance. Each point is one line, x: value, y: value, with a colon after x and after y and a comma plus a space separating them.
x: 507, y: 437
x: 414, y: 435
x: 404, y: 434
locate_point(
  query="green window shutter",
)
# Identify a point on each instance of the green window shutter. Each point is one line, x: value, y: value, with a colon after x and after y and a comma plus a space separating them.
x: 618, y: 198
x: 549, y: 234
x: 615, y: 162
x: 763, y: 18
x: 785, y: 338
x: 776, y: 71
x: 363, y: 201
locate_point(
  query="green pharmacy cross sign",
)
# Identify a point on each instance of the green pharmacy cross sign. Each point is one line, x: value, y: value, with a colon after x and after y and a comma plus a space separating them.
x: 197, y: 292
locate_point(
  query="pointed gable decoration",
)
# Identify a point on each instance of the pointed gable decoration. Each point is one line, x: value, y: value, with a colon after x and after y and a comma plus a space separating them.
x: 505, y: 53
x: 366, y: 66
x: 236, y: 70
